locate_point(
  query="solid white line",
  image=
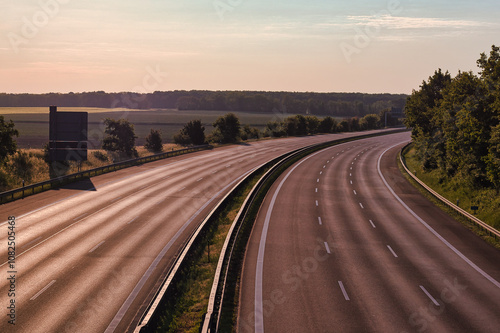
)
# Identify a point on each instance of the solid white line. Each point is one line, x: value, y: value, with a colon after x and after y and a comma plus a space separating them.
x: 373, y: 225
x: 361, y: 205
x: 135, y: 218
x: 319, y: 220
x: 392, y: 251
x: 430, y: 296
x: 95, y: 247
x: 327, y: 248
x: 259, y: 269
x: 344, y: 291
x: 434, y: 232
x: 43, y: 290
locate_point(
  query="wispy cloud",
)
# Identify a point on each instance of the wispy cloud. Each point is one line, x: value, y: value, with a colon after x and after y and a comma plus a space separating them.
x: 398, y: 22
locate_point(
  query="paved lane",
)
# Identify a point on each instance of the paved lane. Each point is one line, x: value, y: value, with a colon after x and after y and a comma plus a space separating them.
x: 333, y: 250
x: 91, y: 255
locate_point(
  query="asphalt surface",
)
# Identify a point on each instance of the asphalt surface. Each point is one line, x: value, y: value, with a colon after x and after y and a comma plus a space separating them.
x: 334, y: 250
x: 90, y: 256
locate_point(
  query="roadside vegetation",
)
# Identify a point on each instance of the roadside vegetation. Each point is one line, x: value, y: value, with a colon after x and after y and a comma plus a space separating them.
x: 456, y: 133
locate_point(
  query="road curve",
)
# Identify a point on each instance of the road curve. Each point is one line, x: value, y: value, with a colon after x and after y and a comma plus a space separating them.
x: 89, y: 256
x: 334, y: 250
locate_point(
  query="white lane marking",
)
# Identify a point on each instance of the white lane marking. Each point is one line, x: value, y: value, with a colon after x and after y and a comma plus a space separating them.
x: 199, y: 180
x: 161, y: 201
x: 321, y: 172
x: 317, y: 180
x: 451, y: 247
x: 182, y: 189
x: 351, y: 168
x: 317, y: 204
x: 392, y: 251
x: 319, y: 220
x: 132, y: 296
x: 166, y: 177
x: 355, y: 193
x: 361, y: 205
x: 344, y: 292
x: 96, y: 247
x: 115, y: 199
x: 79, y: 217
x: 316, y: 190
x: 352, y: 163
x: 43, y: 290
x: 213, y: 172
x: 324, y: 166
x: 350, y: 175
x: 228, y: 166
x: 259, y: 269
x: 430, y: 296
x: 33, y: 241
x: 327, y: 161
x: 131, y: 221
x: 351, y: 182
x: 373, y: 225
x: 327, y: 248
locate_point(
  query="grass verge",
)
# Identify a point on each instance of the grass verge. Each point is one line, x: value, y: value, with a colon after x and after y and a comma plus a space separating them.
x: 487, y: 199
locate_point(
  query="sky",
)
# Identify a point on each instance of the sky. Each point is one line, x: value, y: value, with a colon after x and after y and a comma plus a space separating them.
x: 370, y: 46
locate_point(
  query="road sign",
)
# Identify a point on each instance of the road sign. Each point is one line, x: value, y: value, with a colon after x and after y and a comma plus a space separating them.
x: 68, y: 135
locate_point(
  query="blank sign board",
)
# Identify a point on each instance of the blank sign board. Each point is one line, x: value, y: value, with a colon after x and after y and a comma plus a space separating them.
x: 68, y: 135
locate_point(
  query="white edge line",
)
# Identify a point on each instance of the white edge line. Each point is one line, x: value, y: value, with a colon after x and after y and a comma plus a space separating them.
x: 451, y: 247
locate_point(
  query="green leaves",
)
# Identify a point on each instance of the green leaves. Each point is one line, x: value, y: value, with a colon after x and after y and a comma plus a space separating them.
x: 455, y: 123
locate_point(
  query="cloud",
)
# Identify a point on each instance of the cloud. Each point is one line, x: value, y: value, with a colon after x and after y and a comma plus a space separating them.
x: 398, y: 22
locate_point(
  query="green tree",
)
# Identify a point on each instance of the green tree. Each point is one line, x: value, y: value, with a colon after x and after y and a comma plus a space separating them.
x: 312, y: 124
x: 327, y: 125
x: 120, y: 137
x: 8, y: 145
x: 154, y: 141
x: 228, y: 127
x: 192, y: 133
x: 370, y: 122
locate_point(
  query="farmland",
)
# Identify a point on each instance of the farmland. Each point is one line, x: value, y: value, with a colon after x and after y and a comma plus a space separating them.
x: 33, y: 122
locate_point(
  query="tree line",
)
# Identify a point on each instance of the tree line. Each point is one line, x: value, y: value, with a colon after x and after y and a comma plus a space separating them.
x: 333, y: 104
x: 455, y: 123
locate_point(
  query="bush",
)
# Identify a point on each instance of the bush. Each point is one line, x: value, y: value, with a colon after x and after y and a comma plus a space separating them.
x: 100, y: 156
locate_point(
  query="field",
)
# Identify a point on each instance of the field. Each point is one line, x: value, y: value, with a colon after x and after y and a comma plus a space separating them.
x: 33, y: 122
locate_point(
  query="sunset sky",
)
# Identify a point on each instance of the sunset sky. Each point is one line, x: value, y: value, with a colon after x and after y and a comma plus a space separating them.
x: 293, y: 45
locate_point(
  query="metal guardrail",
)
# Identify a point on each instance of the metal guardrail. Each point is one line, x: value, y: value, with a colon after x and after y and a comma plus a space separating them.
x: 151, y: 315
x: 56, y: 182
x: 486, y: 227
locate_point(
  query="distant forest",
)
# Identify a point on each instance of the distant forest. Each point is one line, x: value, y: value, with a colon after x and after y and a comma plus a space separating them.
x: 328, y: 104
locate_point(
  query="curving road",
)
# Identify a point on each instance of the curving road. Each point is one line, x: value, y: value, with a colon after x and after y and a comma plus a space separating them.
x: 89, y: 256
x: 343, y: 243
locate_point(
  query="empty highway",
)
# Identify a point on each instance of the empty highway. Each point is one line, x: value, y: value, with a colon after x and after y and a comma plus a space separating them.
x: 343, y: 243
x: 90, y: 255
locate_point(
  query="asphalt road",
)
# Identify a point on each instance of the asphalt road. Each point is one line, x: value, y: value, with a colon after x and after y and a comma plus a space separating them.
x: 90, y: 256
x: 334, y: 250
